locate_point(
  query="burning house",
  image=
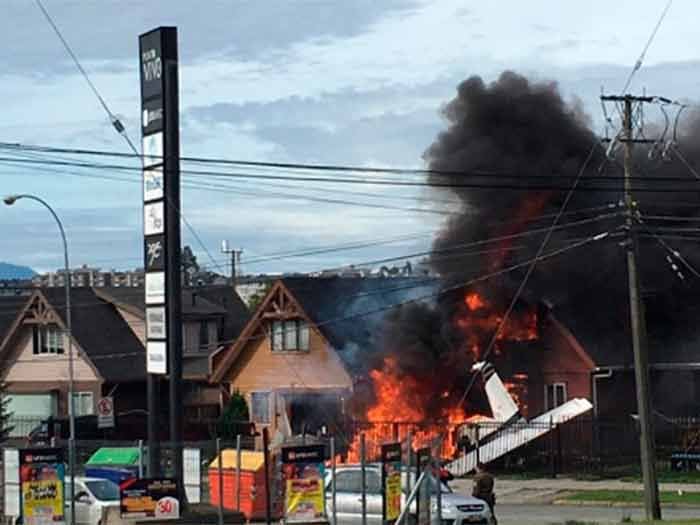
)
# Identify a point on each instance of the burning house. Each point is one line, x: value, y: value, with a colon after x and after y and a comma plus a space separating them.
x: 393, y: 355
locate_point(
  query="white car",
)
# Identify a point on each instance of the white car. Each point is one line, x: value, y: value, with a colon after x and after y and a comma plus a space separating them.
x: 93, y: 496
x: 457, y: 509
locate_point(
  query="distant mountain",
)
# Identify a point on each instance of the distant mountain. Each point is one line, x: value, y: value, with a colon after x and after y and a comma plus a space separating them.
x: 12, y: 271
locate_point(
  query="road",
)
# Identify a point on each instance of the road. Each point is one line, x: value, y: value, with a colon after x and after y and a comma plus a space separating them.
x: 548, y: 514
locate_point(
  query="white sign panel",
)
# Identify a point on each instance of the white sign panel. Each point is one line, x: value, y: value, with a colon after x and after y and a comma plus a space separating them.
x: 105, y: 413
x: 155, y: 287
x: 156, y: 357
x: 152, y: 184
x: 11, y: 488
x: 152, y: 149
x: 155, y: 322
x: 153, y: 222
x: 191, y: 462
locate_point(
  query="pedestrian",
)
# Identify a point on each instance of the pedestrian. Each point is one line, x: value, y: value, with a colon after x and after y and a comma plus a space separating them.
x: 483, y: 487
x: 445, y: 475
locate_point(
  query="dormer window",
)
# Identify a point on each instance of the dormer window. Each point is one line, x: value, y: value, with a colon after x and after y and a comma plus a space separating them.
x: 48, y: 340
x: 290, y: 336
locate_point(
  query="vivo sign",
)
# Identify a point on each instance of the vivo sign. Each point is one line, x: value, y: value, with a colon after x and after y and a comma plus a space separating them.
x: 152, y: 65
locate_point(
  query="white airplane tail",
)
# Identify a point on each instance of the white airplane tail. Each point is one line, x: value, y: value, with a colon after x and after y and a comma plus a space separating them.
x: 503, y: 407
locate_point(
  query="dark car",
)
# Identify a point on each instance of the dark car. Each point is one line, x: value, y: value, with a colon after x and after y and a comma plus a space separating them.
x: 59, y: 428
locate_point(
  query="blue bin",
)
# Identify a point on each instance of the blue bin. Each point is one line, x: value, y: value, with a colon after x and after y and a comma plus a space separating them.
x: 114, y: 474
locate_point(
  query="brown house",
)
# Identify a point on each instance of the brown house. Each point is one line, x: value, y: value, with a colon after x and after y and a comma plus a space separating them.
x: 299, y: 357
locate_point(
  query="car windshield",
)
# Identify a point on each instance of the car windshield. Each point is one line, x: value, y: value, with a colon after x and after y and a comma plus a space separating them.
x: 104, y: 490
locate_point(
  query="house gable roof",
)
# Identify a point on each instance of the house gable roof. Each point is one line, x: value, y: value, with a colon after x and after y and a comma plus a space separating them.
x: 102, y: 333
x: 346, y: 311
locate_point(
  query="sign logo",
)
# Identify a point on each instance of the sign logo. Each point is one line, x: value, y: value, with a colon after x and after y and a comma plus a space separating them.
x: 155, y: 253
x: 156, y: 357
x: 155, y: 288
x: 152, y: 65
x: 152, y: 116
x: 152, y: 149
x: 153, y: 222
x: 152, y: 184
x: 155, y: 322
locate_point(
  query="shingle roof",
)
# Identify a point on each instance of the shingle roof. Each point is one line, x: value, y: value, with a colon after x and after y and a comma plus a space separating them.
x: 9, y: 308
x: 349, y: 310
x: 102, y: 333
x: 194, y: 301
x: 236, y: 312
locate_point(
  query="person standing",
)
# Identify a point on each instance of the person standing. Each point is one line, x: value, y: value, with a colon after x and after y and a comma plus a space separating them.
x: 483, y: 487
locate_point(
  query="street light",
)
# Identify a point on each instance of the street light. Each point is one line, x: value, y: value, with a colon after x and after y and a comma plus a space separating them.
x: 10, y: 200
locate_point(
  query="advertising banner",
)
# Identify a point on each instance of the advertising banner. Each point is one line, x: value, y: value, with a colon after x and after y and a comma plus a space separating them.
x: 149, y: 498
x: 391, y: 482
x: 303, y: 474
x: 42, y: 474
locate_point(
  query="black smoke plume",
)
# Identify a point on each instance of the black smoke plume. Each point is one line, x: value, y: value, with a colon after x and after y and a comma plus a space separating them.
x: 521, y: 135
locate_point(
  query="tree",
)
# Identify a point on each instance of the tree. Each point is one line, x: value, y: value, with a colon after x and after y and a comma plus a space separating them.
x: 189, y: 263
x: 235, y: 417
x: 5, y: 414
x: 258, y: 296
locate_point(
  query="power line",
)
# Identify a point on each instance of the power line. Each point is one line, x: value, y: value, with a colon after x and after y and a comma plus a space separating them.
x: 380, y: 182
x: 275, y: 166
x: 640, y: 60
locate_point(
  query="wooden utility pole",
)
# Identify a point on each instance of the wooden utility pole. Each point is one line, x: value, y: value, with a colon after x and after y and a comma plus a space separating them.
x: 637, y: 320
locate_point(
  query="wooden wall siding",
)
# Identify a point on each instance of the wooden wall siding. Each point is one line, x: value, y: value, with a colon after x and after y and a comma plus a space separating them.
x: 258, y: 368
x: 31, y: 368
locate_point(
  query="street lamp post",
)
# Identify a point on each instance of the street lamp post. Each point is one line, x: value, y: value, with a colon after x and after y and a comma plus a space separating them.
x: 10, y: 200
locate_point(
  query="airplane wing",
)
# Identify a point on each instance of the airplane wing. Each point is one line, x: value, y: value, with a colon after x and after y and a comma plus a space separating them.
x: 515, y: 435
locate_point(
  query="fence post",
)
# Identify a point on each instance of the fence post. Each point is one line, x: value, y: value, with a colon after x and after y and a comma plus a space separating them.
x: 140, y: 458
x: 478, y: 443
x: 220, y: 473
x: 238, y: 472
x: 363, y: 476
x: 334, y: 516
x: 266, y: 456
x: 559, y: 466
x: 409, y: 449
x: 435, y: 477
x: 552, y: 458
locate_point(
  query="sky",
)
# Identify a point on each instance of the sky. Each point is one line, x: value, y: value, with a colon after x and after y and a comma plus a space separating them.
x: 312, y: 81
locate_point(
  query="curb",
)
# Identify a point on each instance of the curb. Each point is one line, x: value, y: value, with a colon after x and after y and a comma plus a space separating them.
x: 620, y: 504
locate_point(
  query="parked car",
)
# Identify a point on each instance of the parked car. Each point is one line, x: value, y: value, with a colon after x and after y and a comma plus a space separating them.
x: 59, y: 428
x: 457, y: 509
x: 93, y: 496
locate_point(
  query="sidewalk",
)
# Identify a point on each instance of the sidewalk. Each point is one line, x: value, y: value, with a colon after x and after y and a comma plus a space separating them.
x: 545, y: 490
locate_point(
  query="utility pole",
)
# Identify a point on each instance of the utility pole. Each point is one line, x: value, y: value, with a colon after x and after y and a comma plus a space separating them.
x: 235, y: 260
x: 637, y: 319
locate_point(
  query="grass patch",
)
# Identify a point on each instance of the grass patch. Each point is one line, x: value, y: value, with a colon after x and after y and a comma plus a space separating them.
x: 633, y: 496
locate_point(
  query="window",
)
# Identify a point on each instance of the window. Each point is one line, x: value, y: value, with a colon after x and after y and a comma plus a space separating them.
x: 290, y: 336
x: 554, y: 395
x: 260, y: 407
x: 203, y: 335
x: 48, y: 340
x: 83, y: 404
x: 351, y: 481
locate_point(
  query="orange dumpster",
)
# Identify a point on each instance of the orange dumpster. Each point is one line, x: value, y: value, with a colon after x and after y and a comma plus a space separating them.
x: 252, y: 482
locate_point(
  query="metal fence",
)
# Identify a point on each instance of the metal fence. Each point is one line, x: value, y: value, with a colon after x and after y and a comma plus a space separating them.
x: 584, y: 445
